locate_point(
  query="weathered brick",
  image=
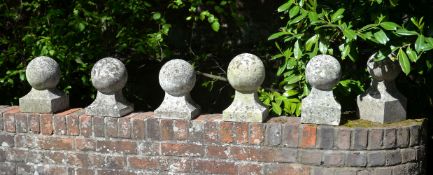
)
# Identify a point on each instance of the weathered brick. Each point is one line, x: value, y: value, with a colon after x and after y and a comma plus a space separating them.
x: 375, y: 138
x: 85, y: 144
x: 213, y: 167
x: 73, y: 124
x: 226, y: 132
x: 15, y: 155
x: 289, y: 137
x: 392, y: 157
x: 2, y: 155
x: 403, y: 137
x: 312, y: 157
x: 322, y: 171
x: 7, y: 140
x: 248, y: 168
x: 408, y: 155
x: 249, y: 153
x: 145, y: 163
x: 308, y: 136
x: 115, y: 162
x: 138, y: 128
x: 401, y: 170
x: 111, y: 127
x: 8, y: 168
x: 241, y: 132
x: 98, y: 126
x: 273, y: 134
x: 59, y: 123
x: 21, y: 122
x: 34, y: 157
x: 51, y: 157
x: 79, y: 160
x: 180, y: 129
x: 55, y: 143
x: 9, y: 122
x: 24, y: 169
x: 149, y: 148
x: 389, y: 138
x: 84, y: 171
x: 256, y: 133
x: 86, y: 125
x: 176, y: 166
x: 334, y: 158
x: 47, y: 124
x: 359, y: 138
x: 375, y: 158
x: 325, y: 137
x: 167, y: 132
x: 414, y: 135
x: 356, y: 159
x: 114, y: 172
x: 24, y: 141
x: 196, y: 131
x: 217, y: 151
x: 34, y: 120
x: 345, y: 171
x: 125, y: 127
x: 286, y: 155
x: 97, y: 161
x: 211, y: 132
x: 182, y: 149
x: 153, y: 129
x: 420, y: 152
x: 343, y: 138
x: 289, y: 169
x: 382, y: 171
x: 120, y: 146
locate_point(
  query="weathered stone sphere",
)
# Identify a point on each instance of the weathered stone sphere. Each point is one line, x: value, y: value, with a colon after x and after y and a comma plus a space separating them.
x: 383, y: 70
x: 323, y: 72
x: 246, y: 73
x: 109, y: 75
x: 177, y: 77
x: 43, y: 73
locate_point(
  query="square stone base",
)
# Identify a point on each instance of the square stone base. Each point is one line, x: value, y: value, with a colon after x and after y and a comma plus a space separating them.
x: 381, y: 111
x: 114, y: 105
x: 44, y: 101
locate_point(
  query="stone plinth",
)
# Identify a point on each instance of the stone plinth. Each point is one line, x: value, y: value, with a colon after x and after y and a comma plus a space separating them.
x: 323, y: 72
x: 43, y: 74
x: 109, y: 76
x: 177, y: 78
x: 382, y: 102
x: 246, y: 73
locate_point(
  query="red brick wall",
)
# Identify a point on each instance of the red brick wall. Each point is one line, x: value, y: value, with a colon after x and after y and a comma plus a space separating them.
x: 74, y: 143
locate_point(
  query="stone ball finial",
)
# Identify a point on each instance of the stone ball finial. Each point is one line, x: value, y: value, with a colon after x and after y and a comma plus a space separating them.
x: 177, y: 77
x: 246, y: 72
x: 386, y: 69
x: 109, y: 75
x: 43, y: 73
x: 323, y: 72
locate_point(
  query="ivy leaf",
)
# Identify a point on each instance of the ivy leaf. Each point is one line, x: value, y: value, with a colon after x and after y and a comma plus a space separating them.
x: 311, y: 41
x: 405, y: 32
x: 420, y: 44
x: 381, y: 37
x: 215, y: 26
x: 337, y: 15
x: 389, y: 25
x: 297, y: 51
x: 404, y: 61
x: 294, y: 11
x: 411, y: 54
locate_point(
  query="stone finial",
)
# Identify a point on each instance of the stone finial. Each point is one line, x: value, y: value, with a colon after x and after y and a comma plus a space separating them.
x: 43, y: 74
x: 323, y: 72
x: 109, y: 76
x: 382, y: 102
x: 177, y: 79
x: 246, y: 73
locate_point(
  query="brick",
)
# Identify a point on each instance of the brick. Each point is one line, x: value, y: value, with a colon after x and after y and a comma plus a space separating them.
x: 414, y: 135
x: 115, y: 162
x: 176, y: 166
x: 8, y: 168
x: 97, y: 161
x: 34, y: 157
x: 289, y: 137
x: 196, y: 131
x: 182, y: 149
x: 325, y: 137
x: 308, y: 136
x: 287, y: 169
x: 359, y: 138
x: 345, y: 171
x: 382, y: 171
x: 343, y: 138
x: 375, y: 139
x: 403, y: 137
x: 216, y: 151
x: 47, y: 124
x: 252, y: 154
x: 53, y: 170
x: 114, y: 172
x: 420, y: 153
x: 85, y: 144
x: 125, y: 127
x: 24, y: 141
x: 322, y: 171
x: 241, y: 132
x: 213, y: 167
x: 79, y: 160
x: 180, y: 129
x: 251, y: 169
x: 356, y: 159
x: 408, y: 155
x: 167, y: 132
x: 21, y: 122
x: 286, y: 155
x: 83, y: 171
x: 111, y: 127
x: 7, y: 140
x: 211, y: 132
x: 334, y: 158
x: 23, y: 168
x: 55, y: 143
x: 138, y: 129
x: 375, y: 158
x: 86, y: 125
x: 121, y: 146
x: 312, y: 157
x: 34, y: 120
x: 98, y: 126
x: 401, y: 170
x: 9, y: 122
x: 153, y: 129
x: 145, y: 163
x: 15, y: 155
x: 256, y: 133
x: 364, y: 172
x: 51, y: 157
x: 226, y: 132
x: 73, y: 125
x: 392, y: 157
x: 59, y: 123
x: 2, y: 155
x: 149, y: 148
x: 273, y: 134
x: 389, y: 138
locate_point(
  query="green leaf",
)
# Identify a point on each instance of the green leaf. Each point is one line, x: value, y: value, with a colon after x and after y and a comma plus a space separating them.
x: 311, y: 41
x: 297, y: 19
x: 313, y: 17
x: 389, y: 25
x: 215, y: 26
x: 405, y: 32
x: 337, y: 15
x: 380, y: 55
x: 297, y: 51
x: 156, y: 16
x: 294, y: 11
x: 381, y: 37
x: 323, y: 47
x: 276, y: 35
x: 345, y: 51
x: 81, y: 26
x: 411, y: 54
x: 293, y: 79
x: 285, y: 6
x: 404, y: 61
x: 349, y: 34
x: 420, y: 44
x: 276, y: 108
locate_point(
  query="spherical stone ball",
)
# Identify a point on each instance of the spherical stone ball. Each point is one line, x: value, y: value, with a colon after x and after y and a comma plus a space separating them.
x: 177, y: 77
x: 43, y: 73
x: 246, y: 73
x: 109, y: 75
x: 382, y: 70
x: 323, y: 72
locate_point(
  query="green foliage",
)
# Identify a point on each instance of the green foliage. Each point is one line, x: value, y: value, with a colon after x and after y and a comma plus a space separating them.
x: 350, y: 31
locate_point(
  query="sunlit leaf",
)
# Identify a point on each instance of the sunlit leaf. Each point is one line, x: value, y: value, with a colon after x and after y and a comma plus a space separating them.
x: 389, y: 25
x: 411, y: 54
x: 337, y: 15
x: 404, y: 61
x: 381, y: 37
